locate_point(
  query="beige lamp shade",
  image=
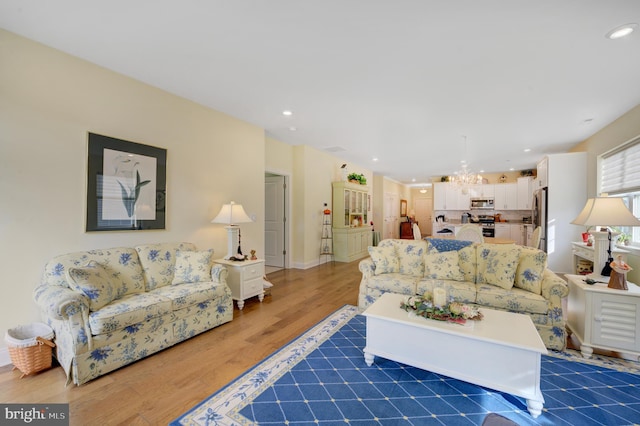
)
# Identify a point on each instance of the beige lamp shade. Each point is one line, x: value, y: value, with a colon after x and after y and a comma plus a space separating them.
x: 606, y: 211
x: 232, y: 214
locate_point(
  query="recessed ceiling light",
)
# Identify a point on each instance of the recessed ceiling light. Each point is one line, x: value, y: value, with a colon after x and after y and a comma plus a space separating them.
x: 293, y: 129
x: 527, y: 150
x: 511, y: 169
x: 287, y: 112
x: 374, y: 159
x: 621, y: 31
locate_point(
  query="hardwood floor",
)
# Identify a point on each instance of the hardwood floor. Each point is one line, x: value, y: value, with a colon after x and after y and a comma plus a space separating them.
x: 159, y: 388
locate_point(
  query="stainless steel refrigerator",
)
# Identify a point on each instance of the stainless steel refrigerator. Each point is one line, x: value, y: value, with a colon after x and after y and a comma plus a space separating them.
x: 539, y: 216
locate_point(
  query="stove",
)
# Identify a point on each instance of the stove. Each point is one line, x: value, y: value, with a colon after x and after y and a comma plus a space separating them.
x: 488, y: 224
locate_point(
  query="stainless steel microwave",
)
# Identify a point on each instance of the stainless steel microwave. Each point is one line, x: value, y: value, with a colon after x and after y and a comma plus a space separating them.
x: 481, y: 204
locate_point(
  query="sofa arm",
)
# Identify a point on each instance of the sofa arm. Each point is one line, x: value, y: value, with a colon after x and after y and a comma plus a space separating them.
x: 367, y: 267
x: 59, y: 302
x: 219, y: 274
x: 553, y: 285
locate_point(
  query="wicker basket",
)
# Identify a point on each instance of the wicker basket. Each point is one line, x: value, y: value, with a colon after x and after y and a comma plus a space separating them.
x: 30, y: 347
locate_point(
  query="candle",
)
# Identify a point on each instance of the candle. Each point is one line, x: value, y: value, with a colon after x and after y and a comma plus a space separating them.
x: 439, y: 296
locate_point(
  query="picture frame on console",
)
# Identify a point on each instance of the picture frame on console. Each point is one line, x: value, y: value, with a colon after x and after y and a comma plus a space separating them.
x: 126, y: 185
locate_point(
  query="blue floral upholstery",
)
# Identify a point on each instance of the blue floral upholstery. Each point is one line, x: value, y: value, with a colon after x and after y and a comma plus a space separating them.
x: 145, y: 314
x: 446, y: 244
x: 507, y: 277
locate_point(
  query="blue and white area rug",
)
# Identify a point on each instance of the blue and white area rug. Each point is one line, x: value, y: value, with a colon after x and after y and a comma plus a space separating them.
x: 321, y: 379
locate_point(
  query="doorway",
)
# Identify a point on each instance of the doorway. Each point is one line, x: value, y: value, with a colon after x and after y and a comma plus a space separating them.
x: 424, y: 211
x: 276, y: 224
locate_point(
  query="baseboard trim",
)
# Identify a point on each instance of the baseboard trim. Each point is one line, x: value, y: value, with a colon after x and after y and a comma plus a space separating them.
x: 5, y: 358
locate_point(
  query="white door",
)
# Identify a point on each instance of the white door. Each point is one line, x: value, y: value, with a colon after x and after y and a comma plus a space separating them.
x: 274, y: 221
x: 391, y: 216
x: 424, y: 215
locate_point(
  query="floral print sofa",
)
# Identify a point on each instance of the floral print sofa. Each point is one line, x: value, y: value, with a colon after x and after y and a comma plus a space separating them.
x: 111, y: 307
x: 498, y: 276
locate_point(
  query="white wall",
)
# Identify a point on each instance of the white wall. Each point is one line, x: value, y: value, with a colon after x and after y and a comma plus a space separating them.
x: 48, y: 103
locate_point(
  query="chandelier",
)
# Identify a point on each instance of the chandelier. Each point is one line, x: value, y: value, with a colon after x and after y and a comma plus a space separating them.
x: 465, y: 177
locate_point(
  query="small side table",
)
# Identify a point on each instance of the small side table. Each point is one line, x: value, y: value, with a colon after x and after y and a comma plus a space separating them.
x: 244, y: 279
x: 604, y: 318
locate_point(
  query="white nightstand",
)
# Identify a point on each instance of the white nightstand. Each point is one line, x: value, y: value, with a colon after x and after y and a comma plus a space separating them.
x: 605, y: 318
x: 244, y: 279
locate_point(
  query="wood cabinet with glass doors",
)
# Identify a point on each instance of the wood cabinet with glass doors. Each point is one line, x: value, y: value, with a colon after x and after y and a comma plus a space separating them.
x: 351, y: 232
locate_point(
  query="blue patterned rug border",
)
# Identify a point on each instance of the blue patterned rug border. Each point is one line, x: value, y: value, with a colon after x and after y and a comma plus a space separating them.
x: 223, y: 407
x: 618, y: 364
x: 235, y: 396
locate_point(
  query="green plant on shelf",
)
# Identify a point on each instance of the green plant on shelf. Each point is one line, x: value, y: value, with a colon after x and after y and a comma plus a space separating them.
x: 361, y: 179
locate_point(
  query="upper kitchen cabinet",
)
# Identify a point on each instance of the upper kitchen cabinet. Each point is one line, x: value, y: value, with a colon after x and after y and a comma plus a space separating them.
x: 447, y: 197
x: 543, y: 173
x: 482, y: 190
x: 506, y: 196
x: 525, y: 192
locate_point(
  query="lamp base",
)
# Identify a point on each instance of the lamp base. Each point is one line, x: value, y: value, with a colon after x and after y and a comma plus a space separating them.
x: 618, y: 281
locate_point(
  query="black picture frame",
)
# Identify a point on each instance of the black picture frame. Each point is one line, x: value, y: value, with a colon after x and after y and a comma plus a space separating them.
x: 130, y: 194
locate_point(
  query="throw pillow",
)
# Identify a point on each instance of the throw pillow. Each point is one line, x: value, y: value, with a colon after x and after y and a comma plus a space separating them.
x: 385, y: 259
x: 468, y: 263
x: 443, y: 266
x: 93, y: 281
x: 497, y: 264
x: 531, y: 269
x: 192, y: 267
x: 411, y: 259
x: 445, y: 244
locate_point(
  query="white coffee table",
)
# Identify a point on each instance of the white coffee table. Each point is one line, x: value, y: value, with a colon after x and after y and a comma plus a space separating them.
x: 500, y: 352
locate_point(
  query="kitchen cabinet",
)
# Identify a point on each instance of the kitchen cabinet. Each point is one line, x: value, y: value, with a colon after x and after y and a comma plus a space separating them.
x: 543, y: 173
x: 517, y: 233
x: 446, y: 197
x: 528, y: 230
x: 506, y: 196
x: 482, y: 190
x: 503, y: 230
x: 440, y: 196
x: 525, y: 193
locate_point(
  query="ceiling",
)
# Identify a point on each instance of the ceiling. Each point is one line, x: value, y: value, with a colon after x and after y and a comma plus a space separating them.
x: 417, y: 84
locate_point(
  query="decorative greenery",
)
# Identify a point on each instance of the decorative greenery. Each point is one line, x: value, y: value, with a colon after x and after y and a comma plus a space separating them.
x: 624, y: 238
x: 452, y: 312
x: 359, y: 177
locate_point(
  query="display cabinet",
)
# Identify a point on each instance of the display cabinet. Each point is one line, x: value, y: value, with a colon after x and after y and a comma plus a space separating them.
x: 351, y: 233
x: 350, y: 205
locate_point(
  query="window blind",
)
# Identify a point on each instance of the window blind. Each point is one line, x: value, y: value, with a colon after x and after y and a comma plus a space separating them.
x: 620, y: 169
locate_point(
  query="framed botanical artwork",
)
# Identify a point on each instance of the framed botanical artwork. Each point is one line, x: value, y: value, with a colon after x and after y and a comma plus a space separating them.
x: 126, y: 185
x: 403, y: 208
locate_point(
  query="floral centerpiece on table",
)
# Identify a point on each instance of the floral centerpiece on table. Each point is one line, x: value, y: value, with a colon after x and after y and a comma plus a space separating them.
x: 452, y: 312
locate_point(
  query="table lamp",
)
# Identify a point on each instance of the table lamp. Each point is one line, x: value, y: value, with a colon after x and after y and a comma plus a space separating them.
x: 605, y: 212
x: 232, y: 214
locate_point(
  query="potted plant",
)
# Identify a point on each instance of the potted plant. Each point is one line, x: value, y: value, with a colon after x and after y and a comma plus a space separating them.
x: 624, y: 239
x: 357, y: 178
